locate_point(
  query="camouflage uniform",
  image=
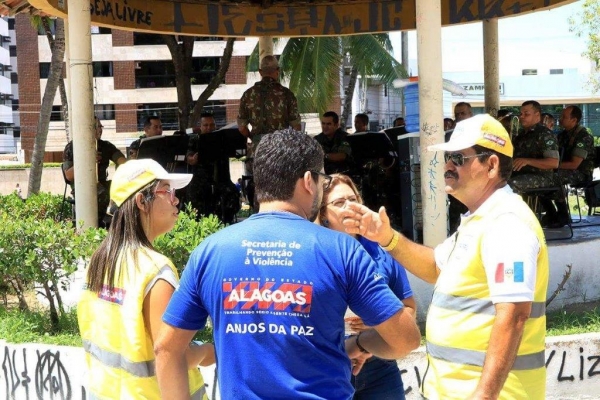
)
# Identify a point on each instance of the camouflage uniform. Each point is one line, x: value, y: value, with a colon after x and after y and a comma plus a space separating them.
x: 107, y: 152
x: 538, y: 142
x: 336, y: 144
x: 267, y: 106
x: 580, y: 143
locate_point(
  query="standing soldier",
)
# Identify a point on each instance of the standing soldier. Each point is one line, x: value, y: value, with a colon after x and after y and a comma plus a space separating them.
x: 267, y: 106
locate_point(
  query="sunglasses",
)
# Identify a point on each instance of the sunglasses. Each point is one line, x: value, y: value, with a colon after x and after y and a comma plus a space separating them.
x: 170, y: 192
x: 326, y: 179
x: 458, y: 159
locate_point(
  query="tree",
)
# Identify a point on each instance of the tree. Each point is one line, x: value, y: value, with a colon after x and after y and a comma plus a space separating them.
x: 587, y: 24
x: 313, y: 66
x: 182, y: 49
x: 57, y: 46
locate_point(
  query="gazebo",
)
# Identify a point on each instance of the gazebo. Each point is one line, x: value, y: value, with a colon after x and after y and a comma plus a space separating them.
x: 286, y: 18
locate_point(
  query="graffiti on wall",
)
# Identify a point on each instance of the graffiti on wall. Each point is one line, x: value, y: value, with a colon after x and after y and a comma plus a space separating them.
x: 46, y: 378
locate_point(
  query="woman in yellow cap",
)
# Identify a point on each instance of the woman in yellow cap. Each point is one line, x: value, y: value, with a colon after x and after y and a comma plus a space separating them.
x: 128, y: 286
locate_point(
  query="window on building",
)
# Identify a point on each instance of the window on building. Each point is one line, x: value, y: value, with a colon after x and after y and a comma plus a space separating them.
x: 149, y: 74
x: 15, y: 105
x: 102, y: 69
x: 11, y: 23
x: 44, y: 70
x: 556, y: 71
x: 168, y: 114
x: 100, y: 30
x: 17, y: 131
x: 146, y: 39
x: 56, y: 114
x: 14, y: 78
x: 104, y: 111
x: 12, y: 50
x: 527, y: 72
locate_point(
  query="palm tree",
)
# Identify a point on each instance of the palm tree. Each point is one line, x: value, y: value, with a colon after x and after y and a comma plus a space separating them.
x: 313, y: 65
x: 54, y: 78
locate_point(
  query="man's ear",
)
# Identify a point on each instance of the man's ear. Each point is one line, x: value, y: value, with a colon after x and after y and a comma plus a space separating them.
x: 307, y: 182
x: 493, y: 166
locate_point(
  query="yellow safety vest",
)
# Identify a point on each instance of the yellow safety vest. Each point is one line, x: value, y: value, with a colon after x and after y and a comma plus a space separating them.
x: 118, y: 348
x: 461, y: 315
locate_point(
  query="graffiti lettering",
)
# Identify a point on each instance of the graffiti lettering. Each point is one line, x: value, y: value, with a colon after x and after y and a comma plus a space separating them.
x: 120, y: 12
x: 51, y: 378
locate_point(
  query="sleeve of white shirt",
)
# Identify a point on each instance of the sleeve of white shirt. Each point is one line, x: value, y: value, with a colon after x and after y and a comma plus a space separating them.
x: 510, y: 251
x: 166, y: 274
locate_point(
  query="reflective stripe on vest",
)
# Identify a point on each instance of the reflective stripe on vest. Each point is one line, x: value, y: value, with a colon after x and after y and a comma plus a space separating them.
x: 473, y: 357
x: 142, y: 369
x: 199, y: 394
x: 478, y: 306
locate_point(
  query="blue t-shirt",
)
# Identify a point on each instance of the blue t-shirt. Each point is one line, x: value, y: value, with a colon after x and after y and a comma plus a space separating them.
x: 393, y: 272
x: 276, y: 287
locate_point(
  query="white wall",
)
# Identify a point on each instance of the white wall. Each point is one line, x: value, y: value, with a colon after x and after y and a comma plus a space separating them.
x: 32, y: 371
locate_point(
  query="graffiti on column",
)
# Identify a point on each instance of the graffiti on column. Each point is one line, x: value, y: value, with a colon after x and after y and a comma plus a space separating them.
x: 51, y: 377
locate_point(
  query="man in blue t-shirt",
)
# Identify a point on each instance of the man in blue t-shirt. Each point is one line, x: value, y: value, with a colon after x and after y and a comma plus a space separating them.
x: 276, y: 288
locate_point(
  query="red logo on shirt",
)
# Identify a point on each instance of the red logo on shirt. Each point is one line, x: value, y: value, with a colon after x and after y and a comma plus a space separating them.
x: 293, y: 297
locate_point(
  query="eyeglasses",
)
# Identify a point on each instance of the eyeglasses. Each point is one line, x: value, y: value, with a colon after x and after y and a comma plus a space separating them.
x: 341, y: 202
x: 326, y: 179
x: 170, y: 192
x: 458, y: 159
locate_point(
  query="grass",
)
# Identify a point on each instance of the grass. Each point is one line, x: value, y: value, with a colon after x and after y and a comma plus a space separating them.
x: 28, y: 165
x: 565, y: 322
x: 34, y: 327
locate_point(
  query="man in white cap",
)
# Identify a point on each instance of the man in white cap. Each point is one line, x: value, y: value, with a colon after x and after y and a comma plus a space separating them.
x: 486, y: 325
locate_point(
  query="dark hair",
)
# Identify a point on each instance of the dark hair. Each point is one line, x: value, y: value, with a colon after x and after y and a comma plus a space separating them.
x: 536, y: 106
x: 125, y: 235
x: 148, y: 120
x: 364, y: 118
x: 332, y: 114
x: 282, y: 158
x: 503, y: 112
x: 506, y: 162
x: 576, y: 113
x: 207, y: 115
x: 398, y: 119
x: 463, y: 103
x: 337, y: 179
x: 548, y: 115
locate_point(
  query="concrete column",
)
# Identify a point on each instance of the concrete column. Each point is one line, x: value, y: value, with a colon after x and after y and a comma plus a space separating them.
x: 265, y: 46
x: 429, y: 44
x: 491, y: 66
x: 68, y: 81
x: 404, y: 36
x: 82, y: 115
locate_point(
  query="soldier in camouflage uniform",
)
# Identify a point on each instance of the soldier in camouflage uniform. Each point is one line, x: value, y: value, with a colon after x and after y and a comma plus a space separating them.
x: 105, y: 152
x: 535, y: 151
x: 152, y: 127
x: 338, y: 153
x: 577, y: 148
x: 267, y: 106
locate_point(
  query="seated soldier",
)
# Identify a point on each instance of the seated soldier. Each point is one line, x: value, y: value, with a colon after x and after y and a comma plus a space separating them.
x: 338, y: 154
x: 105, y: 152
x: 152, y: 127
x: 535, y: 151
x: 577, y: 148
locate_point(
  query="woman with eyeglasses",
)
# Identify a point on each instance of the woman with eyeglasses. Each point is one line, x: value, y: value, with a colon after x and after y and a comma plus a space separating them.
x: 379, y: 379
x: 129, y: 285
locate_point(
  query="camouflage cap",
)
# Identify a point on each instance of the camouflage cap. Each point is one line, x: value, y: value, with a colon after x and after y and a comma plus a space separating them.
x: 269, y: 64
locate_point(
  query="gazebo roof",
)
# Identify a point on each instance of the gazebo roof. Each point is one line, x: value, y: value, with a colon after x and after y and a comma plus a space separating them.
x: 281, y: 18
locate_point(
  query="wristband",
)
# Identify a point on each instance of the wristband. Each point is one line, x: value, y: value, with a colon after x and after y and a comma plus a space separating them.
x: 393, y: 243
x: 362, y: 349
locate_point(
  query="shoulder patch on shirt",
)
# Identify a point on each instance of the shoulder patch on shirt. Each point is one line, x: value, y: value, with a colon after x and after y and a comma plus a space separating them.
x: 510, y: 273
x: 579, y: 144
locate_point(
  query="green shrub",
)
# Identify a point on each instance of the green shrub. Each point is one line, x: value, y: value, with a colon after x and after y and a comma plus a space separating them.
x: 37, y: 252
x: 186, y: 236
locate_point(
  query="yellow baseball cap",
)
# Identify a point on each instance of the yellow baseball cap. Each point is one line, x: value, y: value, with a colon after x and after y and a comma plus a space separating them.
x: 482, y: 130
x: 134, y: 175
